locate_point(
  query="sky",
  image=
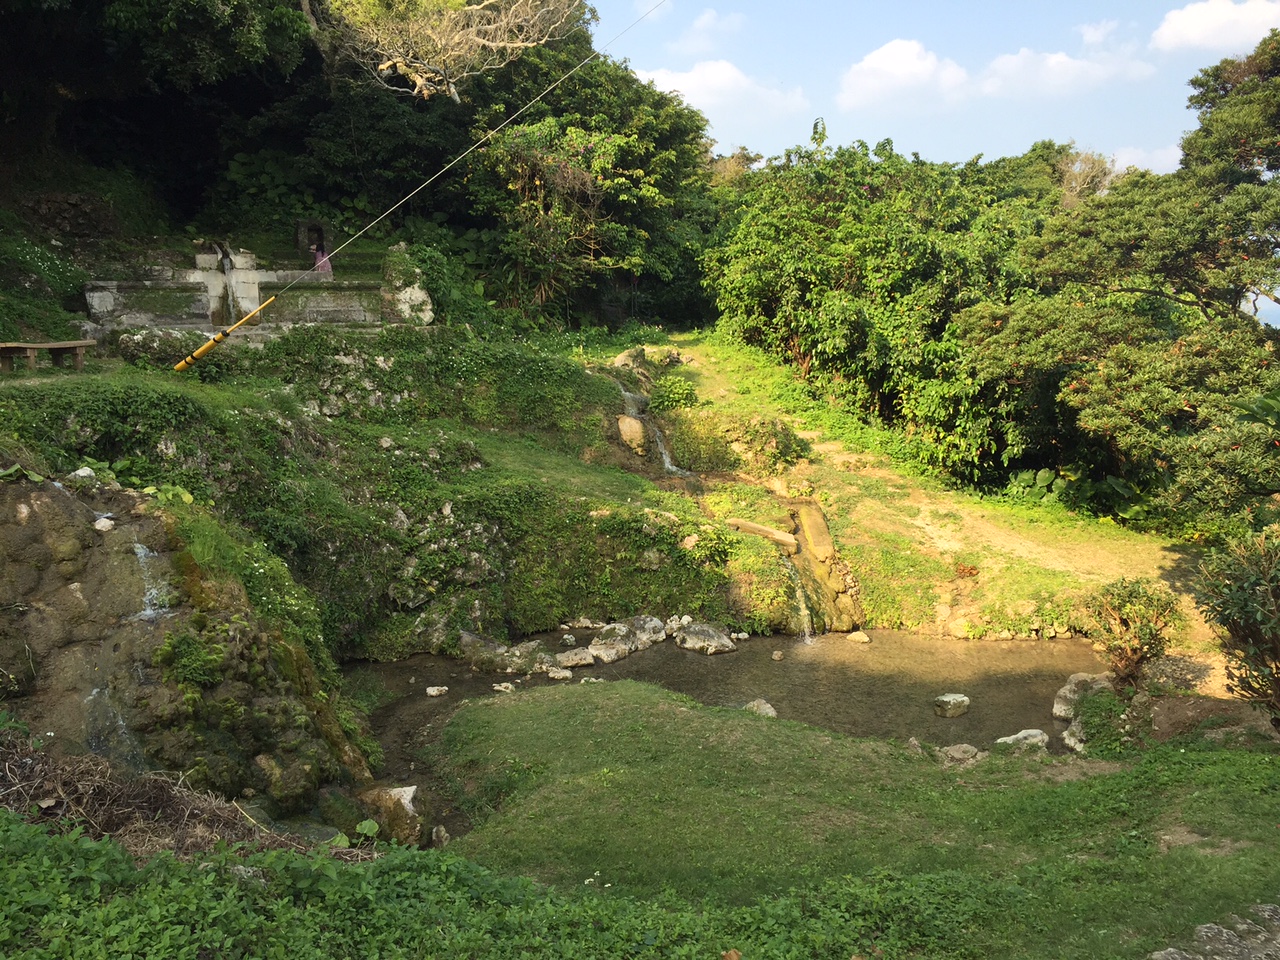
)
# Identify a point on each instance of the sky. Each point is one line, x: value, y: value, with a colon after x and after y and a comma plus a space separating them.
x: 947, y: 79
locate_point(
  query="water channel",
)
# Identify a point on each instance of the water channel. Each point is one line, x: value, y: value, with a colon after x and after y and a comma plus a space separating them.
x: 884, y: 689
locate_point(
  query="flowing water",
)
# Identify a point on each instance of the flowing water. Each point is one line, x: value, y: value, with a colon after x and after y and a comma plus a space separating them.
x: 107, y: 735
x: 233, y: 306
x: 156, y: 590
x: 806, y: 615
x: 636, y: 405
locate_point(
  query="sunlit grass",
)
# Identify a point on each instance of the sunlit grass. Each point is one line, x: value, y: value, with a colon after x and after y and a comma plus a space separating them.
x: 649, y: 792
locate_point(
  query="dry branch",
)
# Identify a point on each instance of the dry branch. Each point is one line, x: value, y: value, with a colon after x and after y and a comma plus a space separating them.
x: 146, y: 815
x: 424, y: 49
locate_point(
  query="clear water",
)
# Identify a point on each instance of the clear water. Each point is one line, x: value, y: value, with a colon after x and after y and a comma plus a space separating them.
x: 883, y: 690
x: 156, y: 592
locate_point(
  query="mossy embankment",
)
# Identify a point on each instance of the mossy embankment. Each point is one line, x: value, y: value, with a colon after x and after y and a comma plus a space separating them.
x: 417, y: 483
x: 340, y: 497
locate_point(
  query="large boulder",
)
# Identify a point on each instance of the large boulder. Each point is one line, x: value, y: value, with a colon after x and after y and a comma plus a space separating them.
x: 578, y: 657
x: 961, y: 754
x: 631, y: 431
x: 704, y: 638
x: 393, y: 810
x: 1074, y: 736
x: 1026, y: 739
x: 951, y: 705
x: 638, y: 633
x: 607, y: 651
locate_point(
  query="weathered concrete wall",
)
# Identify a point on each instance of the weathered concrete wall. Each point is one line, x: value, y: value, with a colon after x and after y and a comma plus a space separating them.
x: 148, y: 303
x: 324, y: 301
x: 197, y: 299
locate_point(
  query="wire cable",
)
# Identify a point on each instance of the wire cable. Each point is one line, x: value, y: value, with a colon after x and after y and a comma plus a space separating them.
x: 595, y: 55
x: 222, y: 335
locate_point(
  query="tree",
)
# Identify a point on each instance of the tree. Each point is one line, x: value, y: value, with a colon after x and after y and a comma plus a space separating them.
x: 1241, y: 594
x: 1174, y: 236
x: 427, y: 47
x: 853, y: 263
x: 559, y: 181
x: 56, y: 53
x: 1084, y: 174
x: 601, y: 192
x: 1238, y: 104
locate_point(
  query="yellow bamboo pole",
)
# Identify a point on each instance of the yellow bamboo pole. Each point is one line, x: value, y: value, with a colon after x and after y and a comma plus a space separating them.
x: 217, y: 338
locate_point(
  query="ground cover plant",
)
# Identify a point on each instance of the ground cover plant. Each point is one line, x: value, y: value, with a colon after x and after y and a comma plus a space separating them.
x: 668, y: 795
x: 781, y: 841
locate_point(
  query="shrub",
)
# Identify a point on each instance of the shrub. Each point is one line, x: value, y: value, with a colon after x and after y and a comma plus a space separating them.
x: 711, y: 441
x: 1134, y: 617
x: 1241, y: 594
x: 671, y: 393
x: 161, y: 349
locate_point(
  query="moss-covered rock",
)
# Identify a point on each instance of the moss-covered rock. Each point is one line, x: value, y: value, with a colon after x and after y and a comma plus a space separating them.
x: 109, y: 655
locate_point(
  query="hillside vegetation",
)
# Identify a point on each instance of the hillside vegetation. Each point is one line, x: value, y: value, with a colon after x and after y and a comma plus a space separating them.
x: 1028, y: 395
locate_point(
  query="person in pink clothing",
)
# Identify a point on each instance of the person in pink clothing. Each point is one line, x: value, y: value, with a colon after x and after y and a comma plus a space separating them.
x: 323, y: 266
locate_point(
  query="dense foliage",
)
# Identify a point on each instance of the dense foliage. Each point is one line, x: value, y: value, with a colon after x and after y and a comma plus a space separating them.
x: 71, y: 896
x: 1018, y: 315
x: 1242, y: 596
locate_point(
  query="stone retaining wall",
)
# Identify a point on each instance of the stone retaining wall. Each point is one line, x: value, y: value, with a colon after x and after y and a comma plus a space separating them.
x: 197, y: 299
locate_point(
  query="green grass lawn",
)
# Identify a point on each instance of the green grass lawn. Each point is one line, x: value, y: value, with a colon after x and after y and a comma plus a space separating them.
x: 627, y: 785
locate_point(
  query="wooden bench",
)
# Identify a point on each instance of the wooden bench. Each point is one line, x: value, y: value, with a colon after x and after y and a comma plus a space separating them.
x: 58, y: 352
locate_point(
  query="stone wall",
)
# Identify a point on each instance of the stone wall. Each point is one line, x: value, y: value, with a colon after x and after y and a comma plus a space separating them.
x: 115, y: 304
x: 323, y: 301
x: 198, y: 299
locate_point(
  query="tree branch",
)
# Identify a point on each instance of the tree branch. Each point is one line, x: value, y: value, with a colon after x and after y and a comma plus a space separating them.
x: 426, y: 50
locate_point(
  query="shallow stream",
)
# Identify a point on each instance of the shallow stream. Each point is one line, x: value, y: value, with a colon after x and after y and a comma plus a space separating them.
x: 884, y: 689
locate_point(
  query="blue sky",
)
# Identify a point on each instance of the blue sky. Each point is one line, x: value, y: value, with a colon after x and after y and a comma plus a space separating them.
x: 949, y: 80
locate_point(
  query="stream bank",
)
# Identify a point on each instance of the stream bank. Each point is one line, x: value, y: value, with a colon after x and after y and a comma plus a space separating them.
x: 882, y: 690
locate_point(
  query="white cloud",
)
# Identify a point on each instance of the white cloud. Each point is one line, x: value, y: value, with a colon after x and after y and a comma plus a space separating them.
x: 904, y: 70
x: 1159, y: 160
x: 703, y: 36
x: 719, y: 86
x: 900, y: 66
x: 1095, y: 33
x: 1217, y: 25
x: 1030, y: 73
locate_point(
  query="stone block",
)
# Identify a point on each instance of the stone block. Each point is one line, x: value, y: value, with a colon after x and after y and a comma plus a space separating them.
x: 951, y: 705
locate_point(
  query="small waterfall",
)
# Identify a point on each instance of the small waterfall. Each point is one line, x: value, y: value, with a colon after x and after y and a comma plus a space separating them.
x: 633, y: 404
x: 637, y: 405
x: 108, y: 735
x: 156, y: 591
x: 232, y: 305
x: 806, y: 615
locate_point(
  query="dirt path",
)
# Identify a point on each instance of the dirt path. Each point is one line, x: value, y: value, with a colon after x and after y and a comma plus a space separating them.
x: 962, y: 563
x: 1005, y: 546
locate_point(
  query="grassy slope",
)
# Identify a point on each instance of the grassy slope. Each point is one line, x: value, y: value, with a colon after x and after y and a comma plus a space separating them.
x: 631, y: 786
x: 913, y: 543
